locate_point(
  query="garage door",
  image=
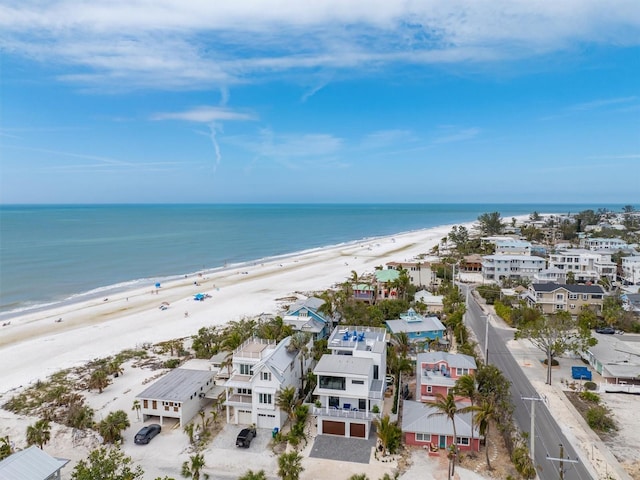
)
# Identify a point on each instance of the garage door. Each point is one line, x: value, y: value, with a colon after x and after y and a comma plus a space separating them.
x: 244, y: 417
x: 357, y: 430
x: 266, y: 421
x: 332, y: 428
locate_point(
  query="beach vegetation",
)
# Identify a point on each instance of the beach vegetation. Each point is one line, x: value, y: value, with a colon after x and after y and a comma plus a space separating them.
x: 287, y: 400
x: 490, y: 223
x: 274, y: 329
x: 39, y: 433
x: 79, y: 416
x: 490, y: 293
x: 193, y: 467
x: 6, y: 447
x: 290, y: 466
x: 107, y: 464
x: 251, y: 475
x: 113, y: 425
x: 171, y: 363
x: 99, y: 380
x: 206, y: 342
x: 299, y: 343
x: 389, y: 434
x: 599, y: 418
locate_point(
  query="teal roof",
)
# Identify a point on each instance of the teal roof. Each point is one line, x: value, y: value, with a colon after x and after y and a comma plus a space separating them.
x: 387, y: 275
x: 363, y: 287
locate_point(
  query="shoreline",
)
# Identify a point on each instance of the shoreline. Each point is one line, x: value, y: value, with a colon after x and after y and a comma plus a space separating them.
x: 105, y: 325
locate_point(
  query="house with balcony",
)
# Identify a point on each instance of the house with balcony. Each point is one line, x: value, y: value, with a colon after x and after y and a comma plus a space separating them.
x: 179, y: 394
x: 496, y: 268
x: 631, y: 270
x: 364, y: 292
x: 384, y: 283
x: 604, y: 244
x: 420, y: 274
x: 437, y: 372
x: 422, y: 426
x: 550, y: 275
x: 553, y: 297
x: 260, y: 369
x: 511, y: 246
x: 417, y: 327
x: 586, y: 265
x: 304, y: 316
x: 351, y: 381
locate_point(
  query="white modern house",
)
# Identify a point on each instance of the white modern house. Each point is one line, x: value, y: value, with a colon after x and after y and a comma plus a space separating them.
x: 511, y: 246
x: 631, y: 270
x: 604, y: 244
x: 351, y: 381
x: 586, y: 265
x: 180, y: 394
x: 496, y: 268
x: 260, y: 369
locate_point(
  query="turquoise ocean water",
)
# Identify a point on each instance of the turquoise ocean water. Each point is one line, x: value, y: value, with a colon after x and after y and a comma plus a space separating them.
x: 51, y: 254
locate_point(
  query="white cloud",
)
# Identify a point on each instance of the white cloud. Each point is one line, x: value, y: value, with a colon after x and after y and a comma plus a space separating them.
x: 450, y: 135
x: 172, y: 44
x: 204, y: 114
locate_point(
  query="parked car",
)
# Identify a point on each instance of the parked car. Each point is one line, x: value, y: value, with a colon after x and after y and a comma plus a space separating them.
x: 606, y: 330
x: 146, y: 433
x: 245, y: 436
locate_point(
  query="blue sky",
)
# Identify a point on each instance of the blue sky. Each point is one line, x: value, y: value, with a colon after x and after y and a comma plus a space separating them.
x: 131, y: 101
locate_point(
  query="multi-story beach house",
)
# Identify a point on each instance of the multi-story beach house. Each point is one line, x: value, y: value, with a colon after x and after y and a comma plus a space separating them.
x: 437, y: 372
x: 305, y: 316
x: 417, y: 327
x: 511, y: 246
x: 351, y: 381
x: 420, y: 273
x: 496, y: 268
x: 631, y: 270
x: 603, y: 244
x: 364, y: 292
x: 260, y: 369
x: 552, y: 297
x: 433, y: 303
x: 384, y: 282
x: 586, y: 265
x: 180, y: 394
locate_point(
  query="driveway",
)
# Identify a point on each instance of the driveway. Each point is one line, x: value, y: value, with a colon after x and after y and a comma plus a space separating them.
x: 342, y: 449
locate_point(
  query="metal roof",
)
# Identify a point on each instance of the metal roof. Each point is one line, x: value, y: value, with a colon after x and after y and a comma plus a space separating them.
x: 415, y: 324
x: 419, y: 418
x: 454, y: 360
x: 343, y: 364
x: 573, y: 288
x: 30, y: 464
x: 179, y: 385
x: 387, y: 275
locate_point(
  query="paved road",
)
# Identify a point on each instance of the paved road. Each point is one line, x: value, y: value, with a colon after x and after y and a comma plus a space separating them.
x: 548, y: 435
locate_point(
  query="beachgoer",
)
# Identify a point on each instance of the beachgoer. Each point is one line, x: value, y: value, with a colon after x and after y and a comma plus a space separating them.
x: 186, y: 314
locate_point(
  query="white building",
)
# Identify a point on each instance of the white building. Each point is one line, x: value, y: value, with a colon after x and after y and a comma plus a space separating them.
x: 500, y: 267
x: 180, y: 394
x: 260, y: 369
x: 351, y: 381
x: 512, y: 246
x: 604, y: 244
x: 586, y: 265
x: 631, y: 269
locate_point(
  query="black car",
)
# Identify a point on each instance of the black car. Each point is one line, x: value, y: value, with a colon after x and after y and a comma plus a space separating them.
x: 147, y: 433
x: 245, y: 436
x: 606, y: 330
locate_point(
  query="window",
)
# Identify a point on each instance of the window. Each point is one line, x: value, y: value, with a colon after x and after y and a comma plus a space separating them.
x: 154, y: 404
x: 145, y: 403
x: 595, y: 297
x: 423, y: 437
x: 332, y: 383
x: 362, y: 404
x: 375, y: 372
x: 265, y: 398
x: 559, y: 296
x: 266, y: 376
x: 244, y: 391
x: 357, y: 382
x: 559, y: 307
x: 246, y: 369
x: 462, y: 440
x: 585, y: 296
x: 334, y: 402
x: 462, y: 371
x: 572, y: 306
x: 429, y: 389
x: 573, y: 296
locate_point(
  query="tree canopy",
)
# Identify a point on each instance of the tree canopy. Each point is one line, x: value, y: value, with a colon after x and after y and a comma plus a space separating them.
x: 107, y: 464
x: 491, y: 223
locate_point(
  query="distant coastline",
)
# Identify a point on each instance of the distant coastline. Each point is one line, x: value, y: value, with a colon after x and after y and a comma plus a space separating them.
x: 58, y: 254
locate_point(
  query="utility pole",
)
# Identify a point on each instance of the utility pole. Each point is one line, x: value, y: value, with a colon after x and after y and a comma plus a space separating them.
x: 561, y: 461
x: 532, y: 431
x: 486, y: 339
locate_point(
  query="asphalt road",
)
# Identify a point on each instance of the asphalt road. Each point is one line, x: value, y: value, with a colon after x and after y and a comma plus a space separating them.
x: 548, y: 435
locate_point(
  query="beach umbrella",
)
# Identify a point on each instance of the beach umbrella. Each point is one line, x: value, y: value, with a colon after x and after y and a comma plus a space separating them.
x: 157, y: 284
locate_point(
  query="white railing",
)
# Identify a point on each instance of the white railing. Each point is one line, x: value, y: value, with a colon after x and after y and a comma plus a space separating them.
x: 341, y: 413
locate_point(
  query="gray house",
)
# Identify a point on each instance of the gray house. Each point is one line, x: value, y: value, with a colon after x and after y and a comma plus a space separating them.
x: 31, y: 464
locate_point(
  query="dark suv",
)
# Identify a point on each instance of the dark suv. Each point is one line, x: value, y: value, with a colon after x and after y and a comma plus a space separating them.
x: 245, y: 436
x: 147, y: 433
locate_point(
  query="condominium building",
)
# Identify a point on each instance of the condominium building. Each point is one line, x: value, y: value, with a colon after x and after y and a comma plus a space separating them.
x: 496, y: 268
x: 586, y: 265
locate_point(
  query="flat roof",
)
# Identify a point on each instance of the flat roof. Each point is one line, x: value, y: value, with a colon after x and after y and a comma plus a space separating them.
x: 343, y: 364
x: 621, y: 359
x: 179, y: 385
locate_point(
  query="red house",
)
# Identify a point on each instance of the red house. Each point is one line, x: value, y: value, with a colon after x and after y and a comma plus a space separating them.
x: 437, y: 372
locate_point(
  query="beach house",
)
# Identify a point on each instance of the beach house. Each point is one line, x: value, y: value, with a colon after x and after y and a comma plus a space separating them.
x: 585, y: 265
x: 631, y: 270
x: 604, y: 244
x: 351, y: 381
x: 554, y: 297
x: 305, y: 316
x: 437, y: 372
x: 180, y: 394
x: 385, y: 284
x: 420, y: 274
x: 496, y: 268
x: 417, y: 327
x: 433, y: 303
x: 260, y: 369
x: 31, y: 464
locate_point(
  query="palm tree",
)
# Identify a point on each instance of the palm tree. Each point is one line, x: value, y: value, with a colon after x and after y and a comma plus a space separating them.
x: 358, y: 476
x: 136, y: 407
x: 446, y: 406
x: 485, y: 413
x: 290, y: 466
x: 189, y: 429
x: 115, y: 368
x: 299, y: 342
x: 388, y: 433
x: 99, y: 380
x: 112, y: 426
x: 466, y: 387
x: 39, y: 433
x: 191, y: 469
x: 286, y: 401
x: 251, y: 475
x: 402, y: 343
x: 6, y: 447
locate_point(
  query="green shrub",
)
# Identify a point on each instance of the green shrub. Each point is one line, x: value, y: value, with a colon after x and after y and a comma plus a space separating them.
x: 599, y: 419
x: 590, y: 385
x: 172, y: 363
x: 590, y: 397
x: 522, y: 461
x: 503, y: 311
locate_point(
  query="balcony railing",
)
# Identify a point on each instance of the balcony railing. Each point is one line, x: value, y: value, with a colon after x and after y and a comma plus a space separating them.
x: 239, y: 400
x: 343, y: 413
